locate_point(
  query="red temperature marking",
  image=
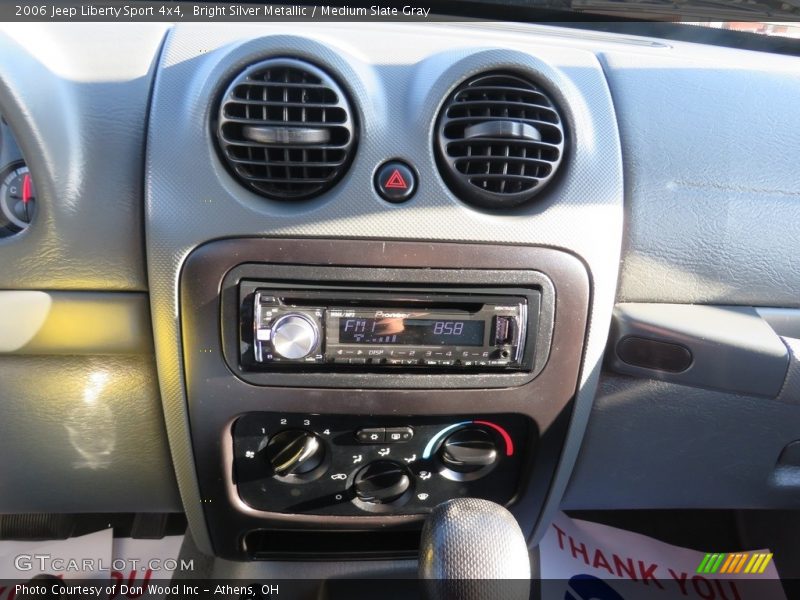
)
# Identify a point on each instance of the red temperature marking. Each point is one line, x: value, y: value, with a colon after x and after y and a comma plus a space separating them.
x: 26, y: 188
x: 502, y: 432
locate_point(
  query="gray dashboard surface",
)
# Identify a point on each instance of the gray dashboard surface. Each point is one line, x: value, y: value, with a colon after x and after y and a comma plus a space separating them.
x: 654, y: 444
x: 397, y: 76
x: 712, y: 184
x: 82, y: 429
x: 73, y: 323
x: 82, y: 434
x: 76, y: 98
x: 713, y: 217
x: 731, y: 348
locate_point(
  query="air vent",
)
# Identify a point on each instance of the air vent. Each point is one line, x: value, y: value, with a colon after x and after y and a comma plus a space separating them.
x: 285, y: 129
x: 500, y: 140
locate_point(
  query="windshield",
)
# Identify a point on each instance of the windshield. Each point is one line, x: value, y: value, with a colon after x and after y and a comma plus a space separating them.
x: 777, y: 18
x: 774, y: 28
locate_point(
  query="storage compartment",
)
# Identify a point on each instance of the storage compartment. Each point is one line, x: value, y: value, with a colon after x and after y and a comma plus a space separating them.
x: 332, y: 545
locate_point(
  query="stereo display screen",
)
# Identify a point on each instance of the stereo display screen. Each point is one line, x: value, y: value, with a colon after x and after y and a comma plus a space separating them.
x: 410, y: 331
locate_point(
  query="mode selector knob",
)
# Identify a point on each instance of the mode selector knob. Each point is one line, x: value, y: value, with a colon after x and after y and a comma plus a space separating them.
x: 381, y: 482
x: 294, y: 336
x: 468, y: 450
x: 295, y: 452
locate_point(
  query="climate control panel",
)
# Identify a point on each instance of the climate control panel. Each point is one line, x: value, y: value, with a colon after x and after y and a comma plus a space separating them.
x: 356, y: 465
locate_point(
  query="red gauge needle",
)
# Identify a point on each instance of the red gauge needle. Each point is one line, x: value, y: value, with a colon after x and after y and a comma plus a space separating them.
x: 26, y: 188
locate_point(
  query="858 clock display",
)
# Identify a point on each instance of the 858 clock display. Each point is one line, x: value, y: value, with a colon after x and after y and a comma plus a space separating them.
x: 411, y: 331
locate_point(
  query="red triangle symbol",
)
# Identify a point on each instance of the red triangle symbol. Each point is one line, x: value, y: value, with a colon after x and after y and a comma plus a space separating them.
x: 396, y: 181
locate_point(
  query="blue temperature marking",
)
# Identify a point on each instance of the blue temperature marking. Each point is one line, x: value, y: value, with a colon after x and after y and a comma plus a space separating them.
x: 437, y: 437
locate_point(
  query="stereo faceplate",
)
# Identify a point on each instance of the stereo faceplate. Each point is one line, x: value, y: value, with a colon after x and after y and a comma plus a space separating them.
x: 357, y: 465
x: 338, y: 329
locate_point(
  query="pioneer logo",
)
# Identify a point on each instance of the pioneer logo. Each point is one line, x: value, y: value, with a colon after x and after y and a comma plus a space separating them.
x: 379, y: 314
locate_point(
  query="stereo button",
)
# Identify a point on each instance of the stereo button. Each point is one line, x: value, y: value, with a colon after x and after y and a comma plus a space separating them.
x: 294, y: 336
x: 403, y: 362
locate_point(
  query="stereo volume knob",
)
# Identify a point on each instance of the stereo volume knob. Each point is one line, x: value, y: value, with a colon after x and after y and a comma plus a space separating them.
x: 381, y: 482
x: 295, y: 452
x: 294, y: 336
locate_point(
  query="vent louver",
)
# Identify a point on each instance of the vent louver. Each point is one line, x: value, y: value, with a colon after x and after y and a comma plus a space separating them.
x: 285, y: 129
x: 500, y: 140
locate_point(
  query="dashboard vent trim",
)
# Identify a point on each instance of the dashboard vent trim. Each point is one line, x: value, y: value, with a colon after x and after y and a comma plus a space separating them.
x: 499, y: 140
x: 285, y: 129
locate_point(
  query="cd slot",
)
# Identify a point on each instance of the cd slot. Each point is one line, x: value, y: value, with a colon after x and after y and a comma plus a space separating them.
x: 354, y: 300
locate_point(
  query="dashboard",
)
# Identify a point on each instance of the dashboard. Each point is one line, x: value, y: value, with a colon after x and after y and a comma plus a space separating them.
x: 320, y: 277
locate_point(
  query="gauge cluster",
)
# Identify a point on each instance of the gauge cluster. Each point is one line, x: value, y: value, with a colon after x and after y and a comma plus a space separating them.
x: 17, y: 191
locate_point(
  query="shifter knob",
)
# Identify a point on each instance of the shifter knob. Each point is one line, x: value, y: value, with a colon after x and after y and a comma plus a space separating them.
x: 465, y: 543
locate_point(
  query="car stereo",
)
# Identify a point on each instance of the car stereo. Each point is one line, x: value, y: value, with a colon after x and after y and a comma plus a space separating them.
x: 417, y: 331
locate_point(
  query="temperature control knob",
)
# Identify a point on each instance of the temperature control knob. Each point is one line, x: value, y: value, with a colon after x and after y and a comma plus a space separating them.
x: 468, y: 450
x: 294, y: 336
x: 382, y: 482
x: 295, y: 452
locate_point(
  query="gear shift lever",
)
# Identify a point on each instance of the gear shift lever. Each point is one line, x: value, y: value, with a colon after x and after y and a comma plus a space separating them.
x: 467, y: 546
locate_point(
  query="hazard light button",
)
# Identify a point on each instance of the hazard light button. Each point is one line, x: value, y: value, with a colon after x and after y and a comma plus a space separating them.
x: 395, y: 181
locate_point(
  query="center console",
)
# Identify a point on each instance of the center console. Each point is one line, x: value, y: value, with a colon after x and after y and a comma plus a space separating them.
x: 356, y: 464
x: 294, y: 294
x: 351, y: 386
